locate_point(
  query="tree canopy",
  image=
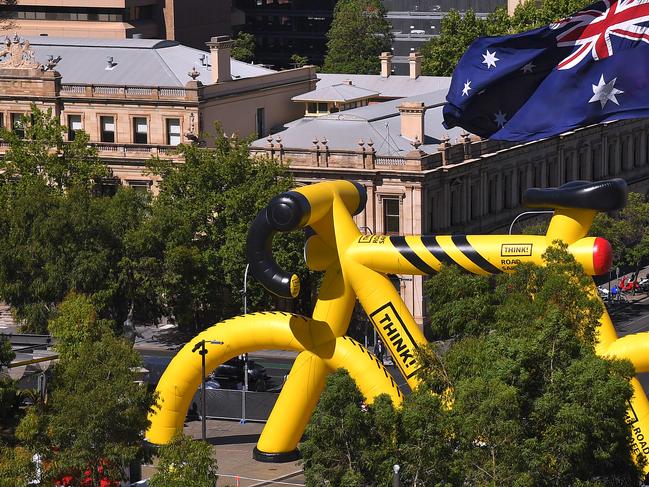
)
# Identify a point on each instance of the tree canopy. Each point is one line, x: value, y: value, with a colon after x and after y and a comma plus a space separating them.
x: 442, y: 53
x: 185, y: 461
x: 58, y: 234
x: 180, y: 254
x: 96, y: 411
x: 244, y: 47
x: 517, y: 397
x: 359, y: 33
x: 192, y: 248
x: 627, y: 231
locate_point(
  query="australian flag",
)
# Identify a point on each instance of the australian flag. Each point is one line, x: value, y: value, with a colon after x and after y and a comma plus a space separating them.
x: 591, y: 67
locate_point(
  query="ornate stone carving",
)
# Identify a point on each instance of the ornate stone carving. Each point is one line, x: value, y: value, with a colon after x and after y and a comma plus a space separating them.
x: 17, y: 54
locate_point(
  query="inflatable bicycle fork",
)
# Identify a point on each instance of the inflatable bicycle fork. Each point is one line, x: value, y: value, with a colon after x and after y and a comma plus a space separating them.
x: 356, y: 267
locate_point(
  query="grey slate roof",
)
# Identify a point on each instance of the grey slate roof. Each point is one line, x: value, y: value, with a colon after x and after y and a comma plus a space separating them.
x: 140, y: 62
x: 342, y: 92
x: 379, y: 122
x: 393, y: 86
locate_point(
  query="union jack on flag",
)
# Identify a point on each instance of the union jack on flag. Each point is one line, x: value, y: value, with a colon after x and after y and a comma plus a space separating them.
x: 589, y: 68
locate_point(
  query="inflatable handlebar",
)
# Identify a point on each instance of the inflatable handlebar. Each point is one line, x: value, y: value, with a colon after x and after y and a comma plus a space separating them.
x: 291, y: 211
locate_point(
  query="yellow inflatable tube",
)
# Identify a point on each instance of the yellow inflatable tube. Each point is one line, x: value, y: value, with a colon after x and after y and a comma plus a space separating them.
x: 261, y: 331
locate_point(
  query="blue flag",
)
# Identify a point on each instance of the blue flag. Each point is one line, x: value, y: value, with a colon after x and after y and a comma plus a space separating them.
x: 591, y: 67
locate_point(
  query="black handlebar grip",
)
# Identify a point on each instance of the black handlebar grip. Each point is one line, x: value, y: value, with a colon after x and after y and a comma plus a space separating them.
x: 286, y: 212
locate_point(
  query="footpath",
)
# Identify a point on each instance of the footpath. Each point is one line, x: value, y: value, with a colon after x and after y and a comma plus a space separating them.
x: 232, y: 444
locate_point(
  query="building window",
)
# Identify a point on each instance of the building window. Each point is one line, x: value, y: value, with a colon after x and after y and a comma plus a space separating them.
x: 140, y: 130
x: 17, y: 124
x: 74, y: 125
x: 107, y: 129
x: 391, y: 215
x: 139, y: 184
x: 260, y: 122
x: 173, y: 131
x: 2, y: 120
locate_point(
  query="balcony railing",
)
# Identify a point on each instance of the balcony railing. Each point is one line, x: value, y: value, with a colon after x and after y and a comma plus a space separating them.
x: 108, y: 149
x: 118, y: 91
x: 133, y: 151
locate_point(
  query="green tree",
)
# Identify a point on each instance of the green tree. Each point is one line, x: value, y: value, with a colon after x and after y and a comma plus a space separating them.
x: 465, y: 307
x: 57, y: 234
x: 627, y: 231
x: 198, y: 229
x: 442, y: 53
x: 359, y: 32
x: 9, y: 396
x: 298, y: 61
x: 40, y: 153
x: 244, y: 47
x: 16, y: 466
x: 96, y: 411
x: 349, y: 444
x: 183, y: 462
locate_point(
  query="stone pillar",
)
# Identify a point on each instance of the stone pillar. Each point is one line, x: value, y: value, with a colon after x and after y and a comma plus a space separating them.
x: 386, y: 64
x: 414, y: 59
x: 220, y: 47
x: 412, y: 120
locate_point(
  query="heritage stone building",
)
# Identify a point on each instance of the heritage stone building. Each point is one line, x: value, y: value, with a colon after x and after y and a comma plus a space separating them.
x: 142, y: 97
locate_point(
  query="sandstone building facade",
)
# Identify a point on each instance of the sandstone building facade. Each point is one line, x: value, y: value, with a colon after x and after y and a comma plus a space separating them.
x: 139, y: 97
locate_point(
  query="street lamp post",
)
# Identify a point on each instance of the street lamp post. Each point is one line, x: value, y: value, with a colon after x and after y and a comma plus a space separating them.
x: 535, y: 212
x: 202, y: 351
x: 245, y: 355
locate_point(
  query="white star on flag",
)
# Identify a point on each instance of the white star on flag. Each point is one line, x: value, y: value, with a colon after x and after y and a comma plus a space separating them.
x: 500, y: 118
x: 605, y: 92
x: 467, y: 88
x: 490, y: 59
x: 528, y: 68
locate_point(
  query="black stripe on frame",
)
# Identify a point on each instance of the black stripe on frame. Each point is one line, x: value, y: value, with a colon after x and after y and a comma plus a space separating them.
x: 404, y: 249
x: 473, y: 255
x: 434, y: 248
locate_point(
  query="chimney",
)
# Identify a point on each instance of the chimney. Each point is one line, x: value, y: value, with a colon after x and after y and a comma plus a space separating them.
x: 412, y: 120
x: 386, y: 64
x: 415, y: 64
x: 220, y: 58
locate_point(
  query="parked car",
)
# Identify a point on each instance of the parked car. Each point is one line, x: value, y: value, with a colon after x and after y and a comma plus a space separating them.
x: 230, y: 375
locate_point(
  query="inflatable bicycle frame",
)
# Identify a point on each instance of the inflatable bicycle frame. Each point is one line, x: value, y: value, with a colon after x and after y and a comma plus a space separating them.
x: 356, y: 266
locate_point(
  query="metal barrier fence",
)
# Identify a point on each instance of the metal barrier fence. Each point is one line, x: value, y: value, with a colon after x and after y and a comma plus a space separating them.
x: 235, y: 404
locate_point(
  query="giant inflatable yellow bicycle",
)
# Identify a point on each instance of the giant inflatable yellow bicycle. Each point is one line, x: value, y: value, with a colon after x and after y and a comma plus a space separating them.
x: 356, y: 267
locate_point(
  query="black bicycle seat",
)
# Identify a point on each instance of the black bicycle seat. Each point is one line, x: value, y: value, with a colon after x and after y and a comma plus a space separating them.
x: 606, y: 195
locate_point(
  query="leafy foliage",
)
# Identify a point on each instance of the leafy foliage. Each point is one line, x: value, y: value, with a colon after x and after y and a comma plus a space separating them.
x: 197, y: 231
x: 56, y: 235
x: 244, y: 47
x: 459, y: 303
x: 96, y: 411
x: 347, y: 442
x: 9, y: 397
x: 520, y: 399
x: 16, y: 466
x: 298, y: 61
x: 42, y: 155
x: 183, y: 462
x: 359, y: 32
x: 627, y: 231
x: 442, y: 53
